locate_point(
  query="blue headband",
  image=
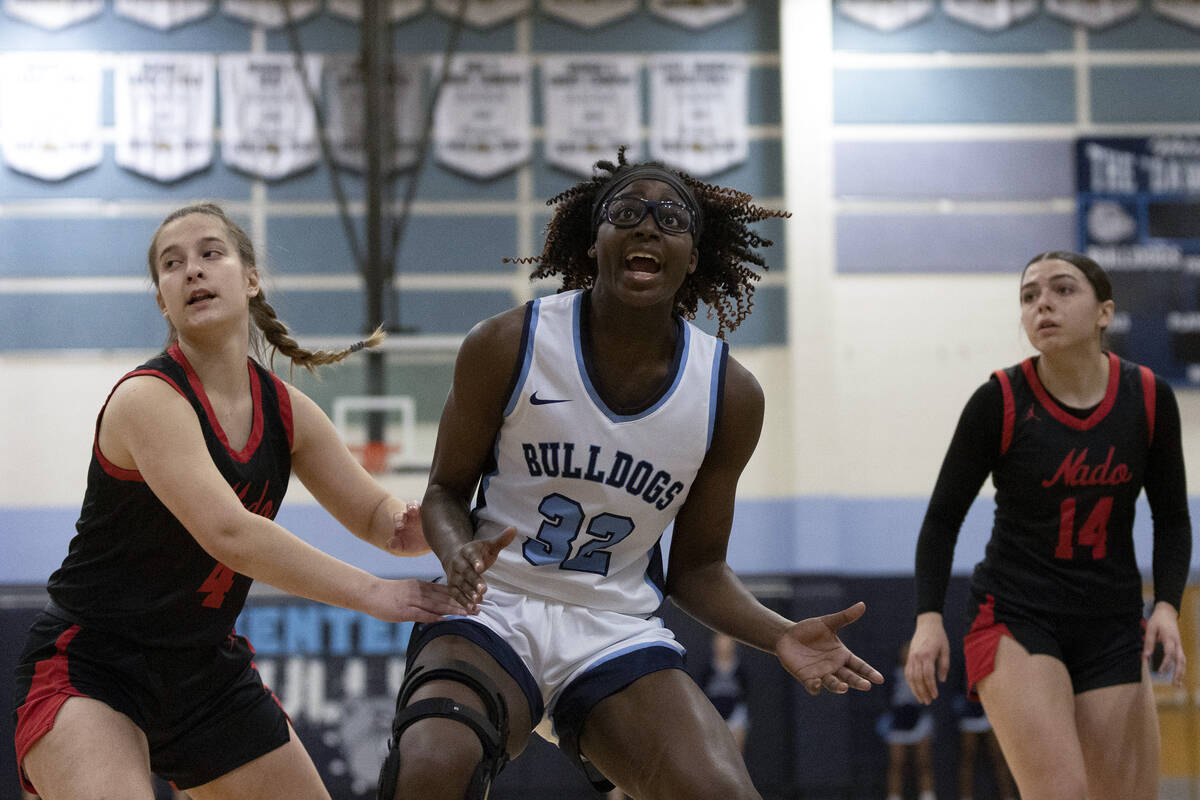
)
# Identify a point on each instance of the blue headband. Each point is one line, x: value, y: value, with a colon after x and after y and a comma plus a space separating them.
x: 651, y: 172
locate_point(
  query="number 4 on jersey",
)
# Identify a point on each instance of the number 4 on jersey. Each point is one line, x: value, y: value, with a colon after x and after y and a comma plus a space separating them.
x: 1094, y: 532
x: 218, y: 582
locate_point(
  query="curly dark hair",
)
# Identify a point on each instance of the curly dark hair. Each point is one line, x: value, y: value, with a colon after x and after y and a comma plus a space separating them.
x: 724, y: 277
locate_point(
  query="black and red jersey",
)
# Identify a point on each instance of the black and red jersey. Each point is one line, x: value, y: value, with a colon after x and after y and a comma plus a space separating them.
x: 132, y: 567
x: 1067, y: 482
x: 1066, y: 488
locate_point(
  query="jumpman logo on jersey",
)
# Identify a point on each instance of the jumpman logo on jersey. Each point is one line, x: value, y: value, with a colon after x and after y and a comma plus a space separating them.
x: 538, y: 401
x: 1031, y: 413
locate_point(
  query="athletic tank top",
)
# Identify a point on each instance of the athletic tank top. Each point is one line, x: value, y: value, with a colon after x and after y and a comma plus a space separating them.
x: 589, y: 490
x: 1066, y: 488
x: 132, y: 567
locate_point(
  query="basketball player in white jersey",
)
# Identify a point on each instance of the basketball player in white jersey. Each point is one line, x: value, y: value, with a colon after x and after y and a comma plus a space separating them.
x: 577, y: 428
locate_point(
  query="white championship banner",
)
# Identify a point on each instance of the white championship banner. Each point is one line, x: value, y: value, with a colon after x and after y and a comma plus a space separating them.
x: 53, y: 14
x: 164, y: 111
x: 696, y: 13
x: 1185, y: 11
x: 481, y: 126
x: 268, y: 125
x: 698, y: 117
x: 885, y: 15
x: 163, y: 14
x: 344, y: 117
x: 269, y: 13
x: 50, y: 113
x: 991, y: 15
x: 591, y: 105
x: 1092, y: 13
x: 589, y: 13
x: 398, y: 10
x: 484, y: 13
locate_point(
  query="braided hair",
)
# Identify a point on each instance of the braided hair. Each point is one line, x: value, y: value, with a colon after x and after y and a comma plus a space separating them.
x: 724, y: 276
x: 268, y: 329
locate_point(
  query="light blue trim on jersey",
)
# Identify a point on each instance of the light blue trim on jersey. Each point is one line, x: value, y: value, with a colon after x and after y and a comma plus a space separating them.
x: 684, y: 342
x: 714, y: 391
x: 526, y: 357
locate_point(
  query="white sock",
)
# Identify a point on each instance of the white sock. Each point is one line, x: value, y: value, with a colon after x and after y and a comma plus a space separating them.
x: 927, y: 796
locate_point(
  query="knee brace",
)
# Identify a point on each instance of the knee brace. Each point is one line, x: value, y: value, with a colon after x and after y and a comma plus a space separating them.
x: 491, y: 729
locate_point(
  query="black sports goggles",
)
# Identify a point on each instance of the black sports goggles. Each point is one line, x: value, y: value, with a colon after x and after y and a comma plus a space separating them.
x: 669, y: 215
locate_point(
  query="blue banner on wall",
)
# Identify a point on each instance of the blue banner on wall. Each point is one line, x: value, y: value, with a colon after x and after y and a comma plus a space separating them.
x: 1138, y: 215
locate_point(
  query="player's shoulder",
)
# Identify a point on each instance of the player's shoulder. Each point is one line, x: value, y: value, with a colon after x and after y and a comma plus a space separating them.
x: 498, y: 328
x: 741, y: 386
x: 492, y: 347
x: 742, y: 407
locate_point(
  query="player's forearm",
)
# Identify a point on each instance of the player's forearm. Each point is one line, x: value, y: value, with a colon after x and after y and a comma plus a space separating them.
x: 266, y: 552
x: 715, y: 596
x: 447, y: 523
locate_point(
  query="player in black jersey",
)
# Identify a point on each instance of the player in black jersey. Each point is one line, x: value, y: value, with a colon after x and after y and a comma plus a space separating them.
x: 1058, y: 650
x: 134, y: 667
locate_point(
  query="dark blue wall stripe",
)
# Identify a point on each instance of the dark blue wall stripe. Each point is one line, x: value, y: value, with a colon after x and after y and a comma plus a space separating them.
x: 1146, y: 94
x: 108, y: 182
x: 48, y: 248
x: 1145, y: 31
x: 766, y: 325
x: 429, y: 312
x: 432, y: 244
x: 969, y: 170
x: 996, y: 95
x: 47, y: 321
x: 899, y: 243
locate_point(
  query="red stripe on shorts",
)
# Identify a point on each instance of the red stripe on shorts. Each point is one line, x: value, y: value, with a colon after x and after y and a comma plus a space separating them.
x: 980, y: 643
x: 50, y: 688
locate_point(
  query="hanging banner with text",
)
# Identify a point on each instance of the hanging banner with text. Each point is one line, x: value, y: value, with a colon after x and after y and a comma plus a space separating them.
x: 885, y: 15
x: 270, y: 13
x: 1138, y: 216
x: 53, y: 14
x: 592, y: 107
x: 699, y: 111
x: 483, y: 13
x: 481, y: 126
x: 589, y: 13
x: 50, y: 113
x: 164, y: 109
x: 268, y: 125
x: 1092, y: 13
x: 397, y: 10
x: 991, y: 15
x: 163, y: 14
x: 345, y: 123
x: 696, y: 13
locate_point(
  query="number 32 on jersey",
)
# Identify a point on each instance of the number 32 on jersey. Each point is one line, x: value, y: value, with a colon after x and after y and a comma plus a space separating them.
x: 563, y: 519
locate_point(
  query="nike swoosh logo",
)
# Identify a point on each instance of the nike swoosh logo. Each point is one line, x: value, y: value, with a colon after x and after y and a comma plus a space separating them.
x: 537, y: 401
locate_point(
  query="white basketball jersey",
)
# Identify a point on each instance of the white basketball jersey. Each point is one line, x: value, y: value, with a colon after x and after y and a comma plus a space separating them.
x: 589, y: 490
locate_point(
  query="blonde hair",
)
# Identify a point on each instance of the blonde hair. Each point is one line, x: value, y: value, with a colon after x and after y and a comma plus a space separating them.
x: 268, y: 329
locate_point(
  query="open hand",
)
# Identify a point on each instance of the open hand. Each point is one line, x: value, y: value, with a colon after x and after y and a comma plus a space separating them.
x: 464, y: 569
x: 811, y: 650
x: 412, y: 600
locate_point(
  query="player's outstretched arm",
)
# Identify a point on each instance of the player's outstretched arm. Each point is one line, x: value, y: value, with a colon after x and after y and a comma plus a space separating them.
x: 814, y: 654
